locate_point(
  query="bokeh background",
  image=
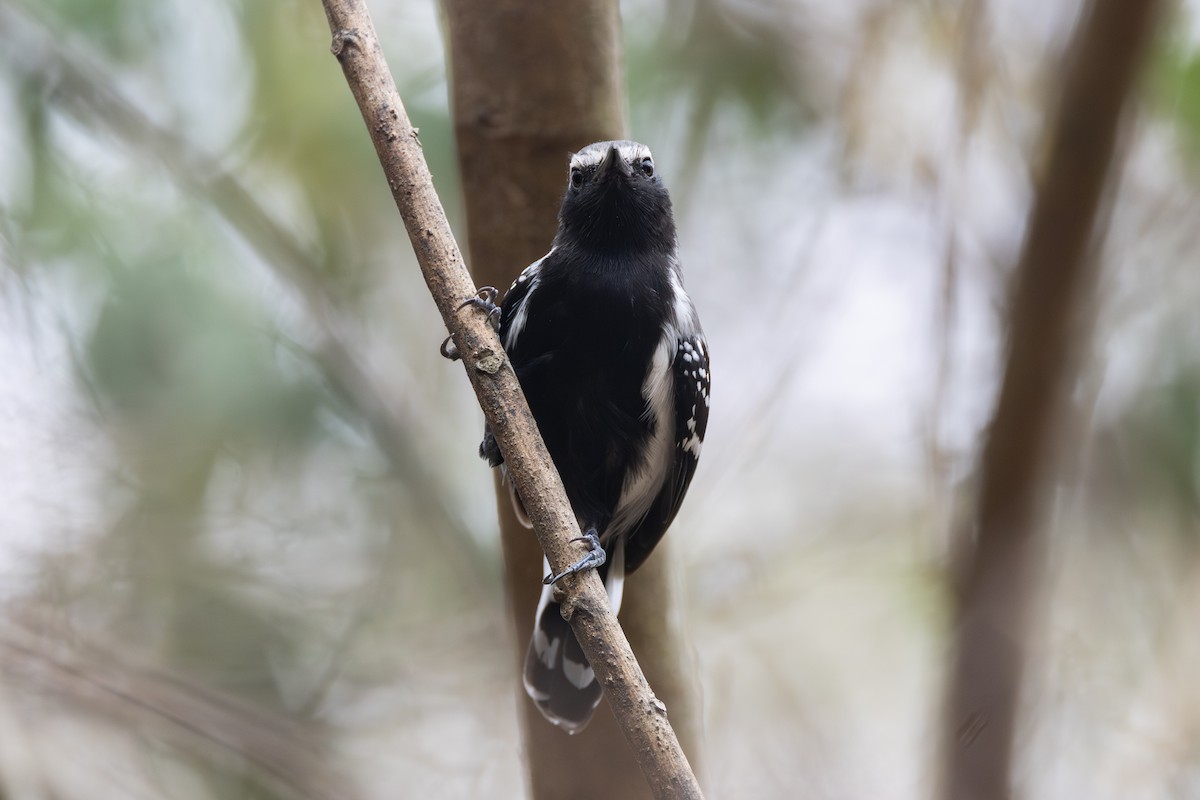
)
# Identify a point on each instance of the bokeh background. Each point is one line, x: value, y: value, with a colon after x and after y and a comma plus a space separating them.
x: 246, y: 546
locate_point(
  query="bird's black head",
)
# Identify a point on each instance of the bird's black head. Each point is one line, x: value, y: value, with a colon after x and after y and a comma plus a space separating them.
x: 616, y: 202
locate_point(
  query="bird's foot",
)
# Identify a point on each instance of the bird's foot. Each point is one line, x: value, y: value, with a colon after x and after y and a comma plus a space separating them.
x: 594, y: 558
x: 485, y: 299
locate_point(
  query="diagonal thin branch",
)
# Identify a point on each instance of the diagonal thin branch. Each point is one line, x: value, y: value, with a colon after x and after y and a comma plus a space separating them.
x: 641, y: 715
x: 1051, y: 283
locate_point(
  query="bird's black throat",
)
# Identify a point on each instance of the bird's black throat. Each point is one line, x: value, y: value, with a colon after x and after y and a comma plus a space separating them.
x: 619, y: 215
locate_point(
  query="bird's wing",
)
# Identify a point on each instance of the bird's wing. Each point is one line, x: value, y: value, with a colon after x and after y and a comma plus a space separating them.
x: 514, y: 310
x: 691, y: 380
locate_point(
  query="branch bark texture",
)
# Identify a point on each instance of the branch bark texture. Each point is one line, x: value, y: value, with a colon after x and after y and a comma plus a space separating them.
x: 529, y: 85
x: 1048, y: 308
x: 642, y: 716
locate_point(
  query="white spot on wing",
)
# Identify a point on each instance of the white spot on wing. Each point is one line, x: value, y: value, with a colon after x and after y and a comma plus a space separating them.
x: 699, y: 373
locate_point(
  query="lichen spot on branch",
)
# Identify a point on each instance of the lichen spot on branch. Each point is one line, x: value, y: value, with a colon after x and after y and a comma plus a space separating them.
x: 489, y: 362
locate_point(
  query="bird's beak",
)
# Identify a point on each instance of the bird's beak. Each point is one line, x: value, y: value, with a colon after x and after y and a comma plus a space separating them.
x: 612, y: 165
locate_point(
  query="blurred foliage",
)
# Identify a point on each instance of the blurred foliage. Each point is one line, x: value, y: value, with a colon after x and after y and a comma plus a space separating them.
x: 1162, y: 435
x: 723, y: 57
x: 178, y: 359
x: 122, y: 29
x: 1175, y: 86
x: 305, y: 124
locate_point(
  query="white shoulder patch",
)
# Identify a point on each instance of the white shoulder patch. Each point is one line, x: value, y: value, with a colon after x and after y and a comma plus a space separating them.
x: 686, y: 318
x: 530, y: 275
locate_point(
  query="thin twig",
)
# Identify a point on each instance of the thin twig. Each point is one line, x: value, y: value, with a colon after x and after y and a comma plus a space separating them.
x: 641, y: 715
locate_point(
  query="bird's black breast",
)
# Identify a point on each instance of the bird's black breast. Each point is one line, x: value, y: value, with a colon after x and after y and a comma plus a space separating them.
x: 590, y: 328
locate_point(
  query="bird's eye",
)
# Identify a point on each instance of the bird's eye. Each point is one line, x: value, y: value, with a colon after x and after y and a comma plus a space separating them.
x: 576, y: 178
x: 647, y: 167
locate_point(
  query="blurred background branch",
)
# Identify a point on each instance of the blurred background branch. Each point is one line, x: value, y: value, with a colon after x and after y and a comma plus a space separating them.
x: 55, y: 666
x: 1048, y: 327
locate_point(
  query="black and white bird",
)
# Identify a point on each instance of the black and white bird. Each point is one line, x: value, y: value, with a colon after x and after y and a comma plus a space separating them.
x: 610, y: 354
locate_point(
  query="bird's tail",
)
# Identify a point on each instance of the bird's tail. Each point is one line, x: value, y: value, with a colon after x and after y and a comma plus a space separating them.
x: 558, y: 677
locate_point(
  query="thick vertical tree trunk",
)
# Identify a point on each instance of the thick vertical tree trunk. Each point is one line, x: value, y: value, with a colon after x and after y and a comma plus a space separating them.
x: 530, y: 84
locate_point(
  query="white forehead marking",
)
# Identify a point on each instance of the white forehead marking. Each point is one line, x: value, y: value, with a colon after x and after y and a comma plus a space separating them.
x: 593, y: 154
